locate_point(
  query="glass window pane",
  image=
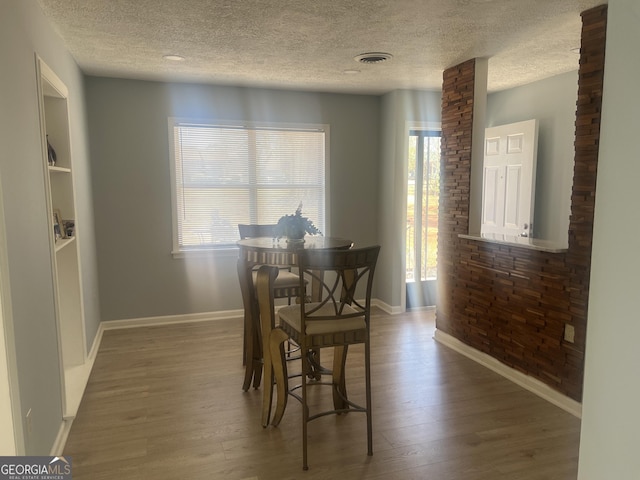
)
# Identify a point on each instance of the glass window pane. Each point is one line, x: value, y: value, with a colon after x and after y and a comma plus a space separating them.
x: 411, y: 200
x: 433, y: 197
x: 423, y: 191
x: 226, y: 175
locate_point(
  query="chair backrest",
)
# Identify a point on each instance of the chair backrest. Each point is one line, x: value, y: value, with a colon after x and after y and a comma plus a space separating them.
x: 256, y: 230
x: 344, y: 280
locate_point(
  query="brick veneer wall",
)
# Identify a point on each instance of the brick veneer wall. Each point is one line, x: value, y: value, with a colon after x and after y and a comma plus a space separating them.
x: 510, y: 302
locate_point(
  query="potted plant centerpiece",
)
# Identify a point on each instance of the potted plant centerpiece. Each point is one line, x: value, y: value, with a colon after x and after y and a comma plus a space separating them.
x: 295, y: 227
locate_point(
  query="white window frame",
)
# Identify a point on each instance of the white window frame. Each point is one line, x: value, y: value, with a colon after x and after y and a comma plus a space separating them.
x: 229, y: 250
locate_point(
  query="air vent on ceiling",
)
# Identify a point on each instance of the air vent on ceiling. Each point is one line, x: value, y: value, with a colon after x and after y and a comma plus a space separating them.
x: 373, y: 57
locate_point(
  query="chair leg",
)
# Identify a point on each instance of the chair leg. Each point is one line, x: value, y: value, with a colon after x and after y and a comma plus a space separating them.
x: 339, y: 383
x: 276, y: 345
x: 248, y: 366
x: 367, y: 380
x: 305, y: 408
x: 267, y: 393
x: 258, y: 351
x: 253, y: 354
x: 316, y: 370
x: 244, y: 344
x: 252, y: 366
x: 264, y: 327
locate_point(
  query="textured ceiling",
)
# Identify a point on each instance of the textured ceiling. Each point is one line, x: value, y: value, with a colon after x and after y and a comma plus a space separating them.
x: 309, y: 44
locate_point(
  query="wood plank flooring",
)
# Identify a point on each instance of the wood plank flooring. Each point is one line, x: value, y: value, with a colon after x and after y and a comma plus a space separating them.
x: 166, y: 403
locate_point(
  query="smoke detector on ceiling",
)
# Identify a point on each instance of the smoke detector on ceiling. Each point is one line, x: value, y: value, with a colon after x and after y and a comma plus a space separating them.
x: 373, y: 57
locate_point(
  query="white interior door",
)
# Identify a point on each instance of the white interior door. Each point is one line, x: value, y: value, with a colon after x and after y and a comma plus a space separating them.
x: 509, y: 172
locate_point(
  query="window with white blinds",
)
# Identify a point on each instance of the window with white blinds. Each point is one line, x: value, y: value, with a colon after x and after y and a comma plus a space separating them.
x: 225, y: 174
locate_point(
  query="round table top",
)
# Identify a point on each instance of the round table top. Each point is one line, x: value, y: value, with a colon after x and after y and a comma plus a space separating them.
x: 310, y: 242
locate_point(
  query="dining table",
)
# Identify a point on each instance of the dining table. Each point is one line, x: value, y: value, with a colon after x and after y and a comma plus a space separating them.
x: 252, y: 253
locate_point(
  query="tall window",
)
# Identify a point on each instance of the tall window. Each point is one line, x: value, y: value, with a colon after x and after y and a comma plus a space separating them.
x: 225, y: 174
x: 422, y: 205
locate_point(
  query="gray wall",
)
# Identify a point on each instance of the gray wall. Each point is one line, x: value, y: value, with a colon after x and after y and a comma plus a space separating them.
x: 610, y: 418
x: 128, y: 124
x: 24, y: 32
x: 553, y: 102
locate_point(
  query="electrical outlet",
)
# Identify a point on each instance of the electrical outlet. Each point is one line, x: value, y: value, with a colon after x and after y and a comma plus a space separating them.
x: 569, y: 333
x: 29, y: 422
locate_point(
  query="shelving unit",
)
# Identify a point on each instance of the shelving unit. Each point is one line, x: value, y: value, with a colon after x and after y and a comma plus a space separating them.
x: 59, y: 187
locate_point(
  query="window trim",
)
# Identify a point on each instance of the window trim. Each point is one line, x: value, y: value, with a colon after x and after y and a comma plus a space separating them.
x: 227, y: 250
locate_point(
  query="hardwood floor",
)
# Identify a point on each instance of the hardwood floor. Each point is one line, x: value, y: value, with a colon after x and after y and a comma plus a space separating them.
x: 166, y: 403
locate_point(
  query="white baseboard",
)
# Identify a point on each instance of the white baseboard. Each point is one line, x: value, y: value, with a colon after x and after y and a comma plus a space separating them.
x: 171, y: 319
x: 61, y: 439
x: 97, y: 340
x: 65, y: 426
x: 395, y: 310
x: 199, y: 317
x: 533, y: 385
x: 428, y: 308
x: 391, y: 310
x: 79, y: 376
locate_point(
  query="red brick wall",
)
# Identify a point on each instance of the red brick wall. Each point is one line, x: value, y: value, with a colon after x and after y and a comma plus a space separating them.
x: 509, y: 302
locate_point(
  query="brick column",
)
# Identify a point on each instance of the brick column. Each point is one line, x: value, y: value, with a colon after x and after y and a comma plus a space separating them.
x: 455, y: 178
x: 506, y: 301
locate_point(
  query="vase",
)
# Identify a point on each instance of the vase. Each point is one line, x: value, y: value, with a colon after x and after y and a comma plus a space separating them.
x: 51, y: 154
x: 295, y: 241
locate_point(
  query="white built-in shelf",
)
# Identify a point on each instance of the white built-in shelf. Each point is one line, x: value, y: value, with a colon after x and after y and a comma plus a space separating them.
x: 63, y: 242
x: 65, y: 260
x: 514, y: 241
x: 59, y: 170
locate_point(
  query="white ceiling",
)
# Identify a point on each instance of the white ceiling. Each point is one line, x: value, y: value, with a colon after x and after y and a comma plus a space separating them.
x: 309, y: 44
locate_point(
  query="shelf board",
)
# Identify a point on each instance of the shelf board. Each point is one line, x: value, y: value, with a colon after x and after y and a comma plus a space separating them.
x: 63, y: 242
x: 59, y: 169
x: 52, y: 86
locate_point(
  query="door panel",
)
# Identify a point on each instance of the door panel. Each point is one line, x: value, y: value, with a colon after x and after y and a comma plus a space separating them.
x: 490, y: 210
x: 509, y: 178
x: 512, y: 199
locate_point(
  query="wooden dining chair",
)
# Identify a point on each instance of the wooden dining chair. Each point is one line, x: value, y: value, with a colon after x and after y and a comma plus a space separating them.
x: 341, y: 318
x: 286, y: 286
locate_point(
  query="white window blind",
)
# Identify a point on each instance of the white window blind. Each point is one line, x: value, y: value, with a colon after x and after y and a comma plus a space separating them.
x: 224, y: 175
